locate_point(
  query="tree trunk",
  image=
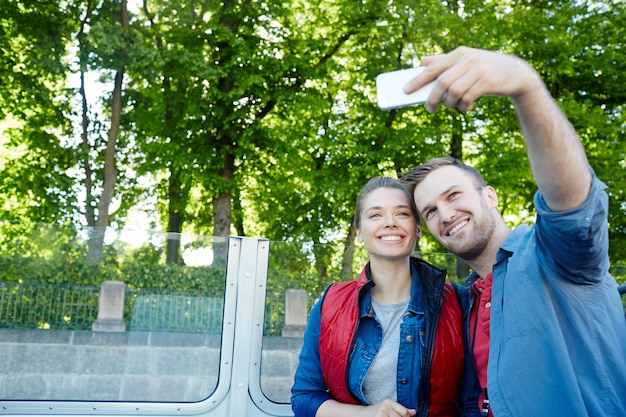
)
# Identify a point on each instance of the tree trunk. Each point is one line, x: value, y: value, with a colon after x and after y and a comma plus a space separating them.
x: 177, y: 191
x: 347, y: 270
x: 90, y: 216
x: 110, y: 170
x: 221, y: 226
x: 321, y: 254
x: 89, y: 208
x: 238, y: 214
x: 222, y: 215
x: 222, y: 210
x: 175, y: 217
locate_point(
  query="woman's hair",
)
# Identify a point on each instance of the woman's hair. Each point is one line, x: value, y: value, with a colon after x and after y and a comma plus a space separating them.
x: 375, y: 184
x: 415, y: 176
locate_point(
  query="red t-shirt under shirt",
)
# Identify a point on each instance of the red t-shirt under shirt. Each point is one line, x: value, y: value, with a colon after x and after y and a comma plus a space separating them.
x: 479, y: 328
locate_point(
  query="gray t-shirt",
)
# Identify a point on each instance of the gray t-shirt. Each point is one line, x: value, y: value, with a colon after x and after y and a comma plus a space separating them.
x: 380, y: 380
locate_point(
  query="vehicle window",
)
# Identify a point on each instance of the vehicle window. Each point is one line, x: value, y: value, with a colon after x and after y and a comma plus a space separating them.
x: 123, y: 326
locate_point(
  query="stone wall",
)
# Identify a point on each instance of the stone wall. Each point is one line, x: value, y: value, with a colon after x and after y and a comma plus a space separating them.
x: 128, y: 366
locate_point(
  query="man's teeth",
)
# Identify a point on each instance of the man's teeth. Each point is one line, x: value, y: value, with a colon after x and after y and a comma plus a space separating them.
x: 389, y: 238
x: 456, y: 228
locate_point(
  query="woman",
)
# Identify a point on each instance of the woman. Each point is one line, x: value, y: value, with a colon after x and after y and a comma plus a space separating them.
x: 391, y: 342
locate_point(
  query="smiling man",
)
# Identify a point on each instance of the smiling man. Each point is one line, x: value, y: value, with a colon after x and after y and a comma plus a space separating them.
x: 546, y: 323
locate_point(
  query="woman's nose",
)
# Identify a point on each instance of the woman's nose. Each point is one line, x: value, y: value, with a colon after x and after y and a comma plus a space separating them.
x: 390, y: 221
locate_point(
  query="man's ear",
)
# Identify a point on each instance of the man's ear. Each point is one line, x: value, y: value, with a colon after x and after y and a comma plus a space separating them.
x: 492, y: 197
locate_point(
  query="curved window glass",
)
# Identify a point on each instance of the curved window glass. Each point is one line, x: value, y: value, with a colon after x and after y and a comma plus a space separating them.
x: 89, y: 316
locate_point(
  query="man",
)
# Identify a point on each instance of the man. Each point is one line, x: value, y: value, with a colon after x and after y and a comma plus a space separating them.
x: 547, y: 327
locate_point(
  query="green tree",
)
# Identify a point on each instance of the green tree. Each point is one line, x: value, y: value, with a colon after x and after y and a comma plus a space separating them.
x: 260, y: 119
x: 34, y: 182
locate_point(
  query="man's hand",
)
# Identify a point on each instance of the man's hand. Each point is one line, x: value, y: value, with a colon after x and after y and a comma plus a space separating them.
x: 466, y: 74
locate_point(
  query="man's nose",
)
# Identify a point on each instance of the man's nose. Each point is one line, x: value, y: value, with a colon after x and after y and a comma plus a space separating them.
x: 446, y: 213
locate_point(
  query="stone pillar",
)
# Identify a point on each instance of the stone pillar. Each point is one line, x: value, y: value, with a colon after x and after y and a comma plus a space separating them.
x: 296, y: 313
x: 111, y: 308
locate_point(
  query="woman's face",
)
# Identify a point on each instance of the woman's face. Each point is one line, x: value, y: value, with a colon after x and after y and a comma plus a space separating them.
x: 388, y: 227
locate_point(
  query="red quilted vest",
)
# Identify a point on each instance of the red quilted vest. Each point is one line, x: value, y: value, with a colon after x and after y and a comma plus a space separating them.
x: 339, y: 318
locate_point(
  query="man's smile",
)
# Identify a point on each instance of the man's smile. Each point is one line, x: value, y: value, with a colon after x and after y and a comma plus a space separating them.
x: 457, y: 227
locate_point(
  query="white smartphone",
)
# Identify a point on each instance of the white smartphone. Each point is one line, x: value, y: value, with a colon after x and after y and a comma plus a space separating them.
x: 390, y: 92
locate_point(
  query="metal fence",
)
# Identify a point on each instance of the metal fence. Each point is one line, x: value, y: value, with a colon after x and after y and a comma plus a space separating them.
x: 73, y: 307
x: 41, y: 306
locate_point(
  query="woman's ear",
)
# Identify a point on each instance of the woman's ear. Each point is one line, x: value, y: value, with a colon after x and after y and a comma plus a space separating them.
x: 419, y: 232
x: 359, y: 238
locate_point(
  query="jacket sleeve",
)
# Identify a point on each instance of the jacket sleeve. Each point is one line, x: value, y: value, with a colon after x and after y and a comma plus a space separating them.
x: 470, y: 387
x: 309, y: 390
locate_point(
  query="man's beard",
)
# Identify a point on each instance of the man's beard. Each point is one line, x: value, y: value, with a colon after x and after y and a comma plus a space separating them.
x: 481, y: 235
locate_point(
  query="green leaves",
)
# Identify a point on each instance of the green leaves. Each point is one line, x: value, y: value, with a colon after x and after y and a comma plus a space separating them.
x: 271, y: 106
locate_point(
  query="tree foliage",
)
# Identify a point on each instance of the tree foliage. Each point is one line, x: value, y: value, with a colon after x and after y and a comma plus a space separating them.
x: 260, y: 118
